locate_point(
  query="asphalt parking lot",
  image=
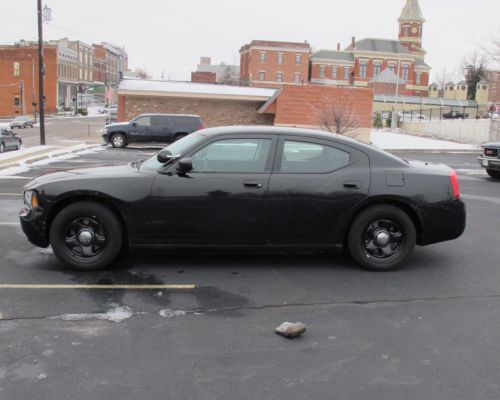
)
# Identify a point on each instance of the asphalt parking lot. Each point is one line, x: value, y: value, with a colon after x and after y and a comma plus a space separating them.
x: 191, y: 325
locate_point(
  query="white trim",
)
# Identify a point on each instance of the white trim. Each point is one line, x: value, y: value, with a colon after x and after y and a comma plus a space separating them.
x: 192, y: 95
x: 331, y: 61
x: 284, y: 49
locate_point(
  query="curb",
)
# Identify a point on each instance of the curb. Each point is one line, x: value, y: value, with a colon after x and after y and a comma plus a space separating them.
x: 433, y: 151
x: 49, y: 154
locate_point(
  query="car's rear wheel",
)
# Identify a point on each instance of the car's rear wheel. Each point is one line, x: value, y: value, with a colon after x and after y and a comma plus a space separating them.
x: 2, y: 147
x: 18, y: 146
x: 493, y: 173
x: 86, y: 236
x: 381, y: 238
x: 179, y: 136
x: 118, y: 140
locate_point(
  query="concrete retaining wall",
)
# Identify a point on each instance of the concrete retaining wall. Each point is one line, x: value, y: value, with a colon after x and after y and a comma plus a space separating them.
x: 468, y: 131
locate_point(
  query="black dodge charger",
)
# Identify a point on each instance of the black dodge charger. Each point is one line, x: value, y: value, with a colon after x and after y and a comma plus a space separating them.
x: 248, y: 187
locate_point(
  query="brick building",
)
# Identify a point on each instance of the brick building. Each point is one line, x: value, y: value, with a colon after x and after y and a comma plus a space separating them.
x: 274, y: 64
x: 19, y: 78
x: 493, y: 78
x: 99, y: 64
x: 203, y: 77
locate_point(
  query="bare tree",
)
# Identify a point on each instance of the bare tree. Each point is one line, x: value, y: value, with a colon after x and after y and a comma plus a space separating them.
x: 492, y: 49
x: 141, y: 73
x: 442, y: 78
x: 338, y: 114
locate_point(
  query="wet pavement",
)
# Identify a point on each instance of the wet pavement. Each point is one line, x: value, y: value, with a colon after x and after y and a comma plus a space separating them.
x: 430, y: 330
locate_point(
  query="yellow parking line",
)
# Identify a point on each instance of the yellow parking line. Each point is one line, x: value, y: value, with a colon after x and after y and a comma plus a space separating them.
x: 120, y: 287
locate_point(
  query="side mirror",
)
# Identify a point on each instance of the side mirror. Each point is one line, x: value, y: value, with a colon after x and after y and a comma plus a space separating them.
x: 185, y: 165
x: 164, y: 156
x: 134, y: 124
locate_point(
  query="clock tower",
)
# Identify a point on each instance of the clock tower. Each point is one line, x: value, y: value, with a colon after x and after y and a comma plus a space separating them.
x: 411, y: 23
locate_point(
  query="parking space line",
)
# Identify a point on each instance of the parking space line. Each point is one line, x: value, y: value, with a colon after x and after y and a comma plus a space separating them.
x: 83, y: 286
x: 9, y: 223
x: 10, y: 194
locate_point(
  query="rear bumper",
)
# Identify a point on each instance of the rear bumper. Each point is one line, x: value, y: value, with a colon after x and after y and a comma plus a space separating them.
x: 442, y: 222
x: 34, y: 227
x: 489, y: 163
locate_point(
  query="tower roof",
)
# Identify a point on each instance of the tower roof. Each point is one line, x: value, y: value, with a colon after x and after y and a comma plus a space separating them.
x: 412, y: 12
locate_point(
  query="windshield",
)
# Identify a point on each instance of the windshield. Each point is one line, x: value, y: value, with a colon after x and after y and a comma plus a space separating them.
x: 177, y: 148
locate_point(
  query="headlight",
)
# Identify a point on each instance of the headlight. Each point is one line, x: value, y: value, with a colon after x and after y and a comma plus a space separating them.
x: 30, y: 199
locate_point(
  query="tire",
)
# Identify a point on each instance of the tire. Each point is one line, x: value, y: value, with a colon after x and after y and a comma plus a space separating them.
x: 179, y: 136
x: 68, y: 230
x: 368, y: 233
x: 2, y: 147
x: 118, y: 140
x: 18, y: 147
x: 493, y: 173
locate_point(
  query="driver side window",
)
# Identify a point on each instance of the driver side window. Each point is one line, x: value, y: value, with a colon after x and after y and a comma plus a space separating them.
x: 233, y: 155
x: 143, y: 121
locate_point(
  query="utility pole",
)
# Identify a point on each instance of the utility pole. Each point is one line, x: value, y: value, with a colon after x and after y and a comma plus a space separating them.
x: 395, y: 115
x: 41, y: 73
x: 23, y: 101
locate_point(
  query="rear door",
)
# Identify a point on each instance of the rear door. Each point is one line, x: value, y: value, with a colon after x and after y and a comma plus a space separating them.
x: 160, y: 129
x: 314, y: 185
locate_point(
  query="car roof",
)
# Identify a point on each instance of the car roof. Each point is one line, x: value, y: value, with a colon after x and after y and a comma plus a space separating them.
x: 170, y: 115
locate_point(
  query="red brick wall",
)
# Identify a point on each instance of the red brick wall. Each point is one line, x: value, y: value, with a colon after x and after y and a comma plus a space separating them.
x: 99, y: 63
x: 25, y: 55
x: 300, y: 105
x: 203, y: 77
x: 212, y: 112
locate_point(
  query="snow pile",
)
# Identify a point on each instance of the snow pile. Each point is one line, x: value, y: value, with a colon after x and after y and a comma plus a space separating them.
x: 395, y: 141
x: 116, y: 314
x: 24, y: 151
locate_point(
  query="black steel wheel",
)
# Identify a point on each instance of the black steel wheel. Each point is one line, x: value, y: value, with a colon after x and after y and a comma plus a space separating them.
x: 493, y: 173
x: 86, y: 236
x: 118, y: 140
x: 381, y: 238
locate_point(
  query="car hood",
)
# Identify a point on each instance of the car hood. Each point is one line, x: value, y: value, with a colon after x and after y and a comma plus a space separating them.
x: 94, y: 173
x: 117, y: 125
x: 493, y: 144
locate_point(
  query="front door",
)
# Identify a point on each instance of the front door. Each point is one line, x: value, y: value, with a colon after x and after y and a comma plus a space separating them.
x: 222, y: 200
x: 161, y: 130
x: 140, y: 129
x: 314, y: 185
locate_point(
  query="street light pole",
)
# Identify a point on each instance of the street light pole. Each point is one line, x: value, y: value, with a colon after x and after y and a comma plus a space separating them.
x: 41, y: 100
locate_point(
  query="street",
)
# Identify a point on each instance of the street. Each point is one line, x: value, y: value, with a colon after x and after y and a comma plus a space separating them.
x: 429, y: 330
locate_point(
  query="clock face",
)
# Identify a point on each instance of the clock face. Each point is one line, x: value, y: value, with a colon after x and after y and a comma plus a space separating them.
x: 414, y: 30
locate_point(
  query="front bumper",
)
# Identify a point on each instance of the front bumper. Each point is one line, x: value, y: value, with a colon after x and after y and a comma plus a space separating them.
x: 106, y: 137
x: 34, y: 226
x: 489, y: 163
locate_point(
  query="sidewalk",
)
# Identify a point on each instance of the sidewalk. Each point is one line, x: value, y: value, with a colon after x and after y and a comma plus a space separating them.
x: 390, y: 141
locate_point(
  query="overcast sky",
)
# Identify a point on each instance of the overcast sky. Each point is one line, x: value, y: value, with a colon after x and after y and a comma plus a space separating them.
x: 170, y: 36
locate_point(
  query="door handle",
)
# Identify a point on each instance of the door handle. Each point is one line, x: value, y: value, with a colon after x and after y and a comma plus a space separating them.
x: 253, y: 184
x: 352, y: 185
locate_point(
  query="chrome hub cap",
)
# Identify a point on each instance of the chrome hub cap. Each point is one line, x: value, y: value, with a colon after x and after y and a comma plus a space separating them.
x: 86, y: 237
x: 382, y: 238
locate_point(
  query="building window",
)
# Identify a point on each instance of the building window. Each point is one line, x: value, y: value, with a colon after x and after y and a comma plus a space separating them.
x: 263, y: 58
x: 406, y: 71
x: 322, y: 69
x: 280, y: 58
x: 297, y: 77
x: 377, y: 67
x: 347, y: 73
x: 405, y: 31
x: 298, y: 59
x: 262, y: 76
x: 334, y: 72
x: 279, y: 77
x: 418, y: 78
x: 16, y: 69
x: 362, y: 69
x: 392, y: 67
x: 17, y: 101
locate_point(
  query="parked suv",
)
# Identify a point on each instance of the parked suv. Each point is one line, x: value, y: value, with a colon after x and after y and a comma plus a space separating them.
x: 455, y: 115
x: 162, y: 128
x: 490, y: 159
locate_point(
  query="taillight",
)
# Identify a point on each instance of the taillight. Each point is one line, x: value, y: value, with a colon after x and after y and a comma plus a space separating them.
x: 455, y: 186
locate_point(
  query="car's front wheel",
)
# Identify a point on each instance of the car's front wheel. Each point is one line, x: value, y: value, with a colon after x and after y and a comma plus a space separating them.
x: 381, y: 238
x: 118, y: 140
x: 18, y: 146
x: 493, y: 173
x: 2, y: 147
x: 86, y: 236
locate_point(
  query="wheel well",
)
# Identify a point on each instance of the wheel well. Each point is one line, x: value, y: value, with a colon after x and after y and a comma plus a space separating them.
x: 177, y: 134
x: 92, y: 198
x: 396, y: 203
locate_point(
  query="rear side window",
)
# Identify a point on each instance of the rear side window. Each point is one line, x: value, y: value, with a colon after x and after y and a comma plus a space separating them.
x: 185, y: 122
x: 305, y: 157
x: 159, y: 120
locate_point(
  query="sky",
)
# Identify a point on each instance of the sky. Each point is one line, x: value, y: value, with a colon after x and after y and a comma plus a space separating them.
x: 171, y: 36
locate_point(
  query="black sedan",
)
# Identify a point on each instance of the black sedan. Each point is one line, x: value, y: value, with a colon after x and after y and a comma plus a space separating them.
x: 9, y: 140
x: 248, y: 187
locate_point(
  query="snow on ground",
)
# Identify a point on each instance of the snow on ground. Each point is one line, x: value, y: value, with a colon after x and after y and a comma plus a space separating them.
x: 25, y: 151
x: 396, y: 141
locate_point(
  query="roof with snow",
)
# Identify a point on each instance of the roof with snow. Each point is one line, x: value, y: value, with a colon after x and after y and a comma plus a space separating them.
x: 387, y: 76
x: 412, y: 12
x: 333, y: 55
x: 429, y: 101
x: 187, y: 89
x: 380, y: 45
